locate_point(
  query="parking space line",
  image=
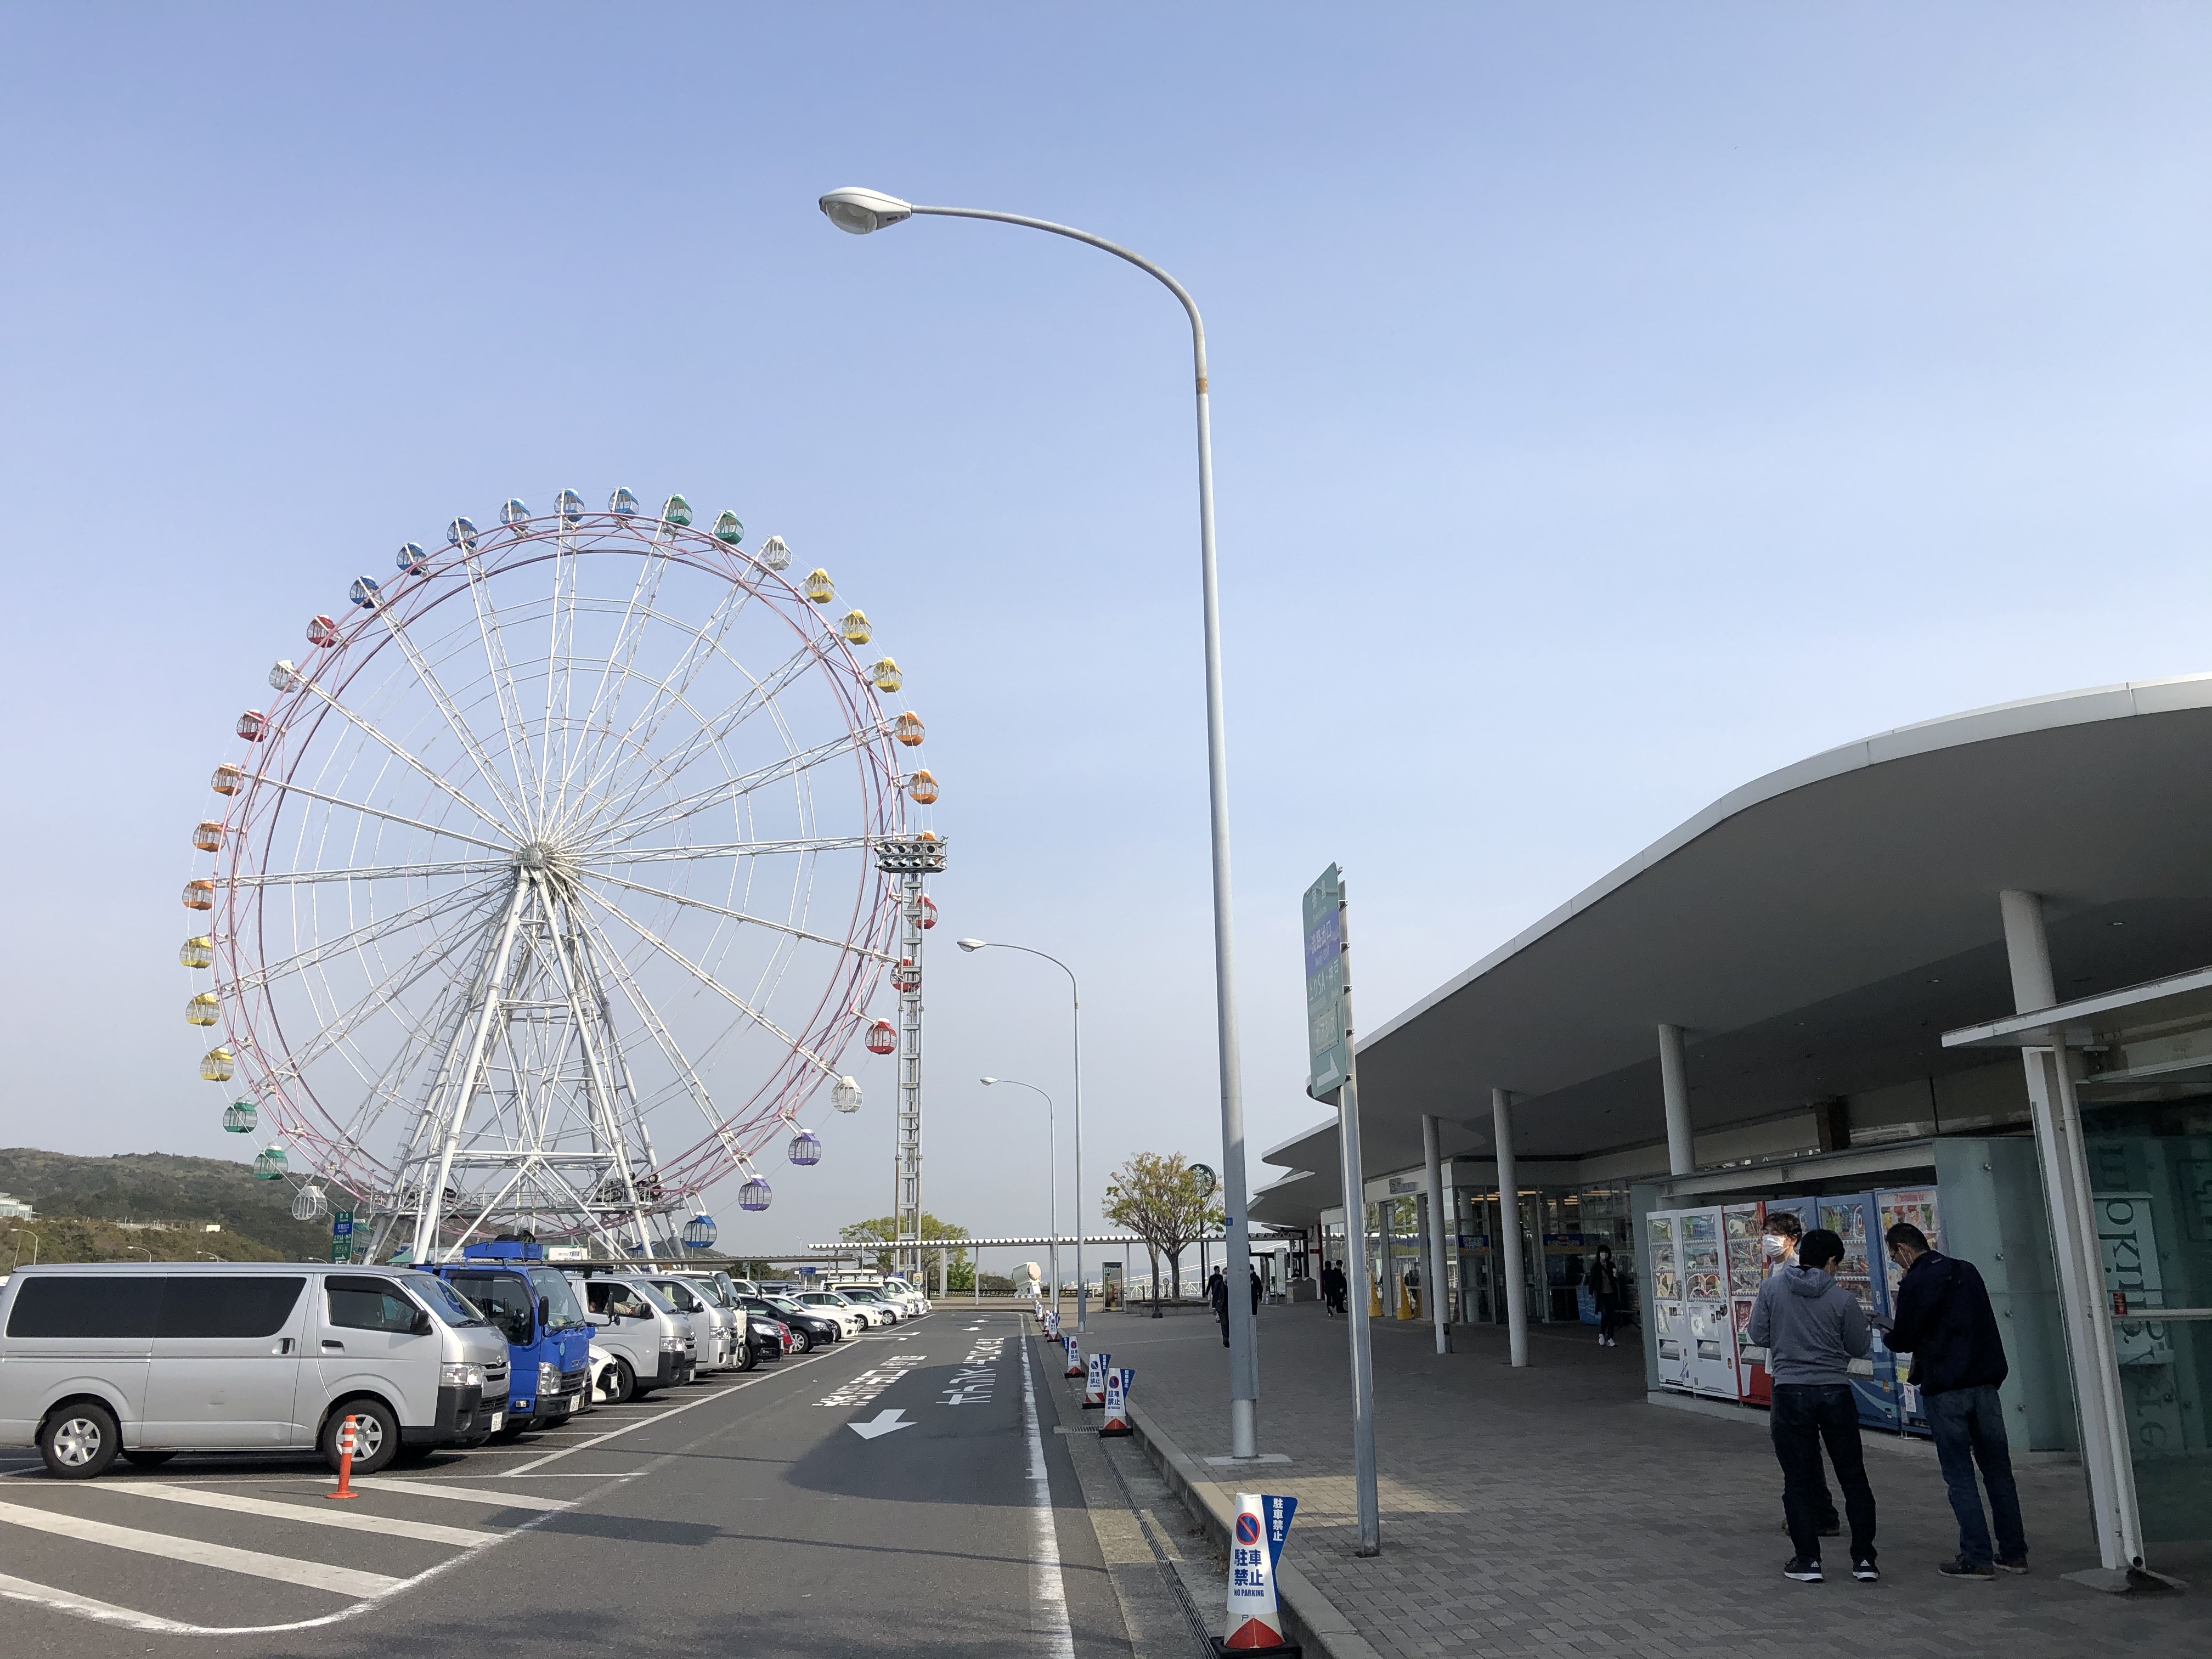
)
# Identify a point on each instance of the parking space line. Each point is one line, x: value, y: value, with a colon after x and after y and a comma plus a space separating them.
x: 512, y: 1500
x: 350, y: 1520
x: 22, y: 1590
x: 311, y: 1575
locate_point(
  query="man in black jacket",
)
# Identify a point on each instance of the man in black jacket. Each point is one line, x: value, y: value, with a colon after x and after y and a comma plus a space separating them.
x: 1944, y: 1321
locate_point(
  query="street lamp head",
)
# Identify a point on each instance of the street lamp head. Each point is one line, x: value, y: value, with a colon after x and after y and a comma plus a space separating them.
x: 858, y: 210
x: 971, y: 946
x: 989, y: 1081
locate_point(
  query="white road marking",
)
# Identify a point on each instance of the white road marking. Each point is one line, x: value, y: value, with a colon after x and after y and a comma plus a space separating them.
x: 320, y: 1514
x: 312, y: 1575
x: 883, y: 1422
x: 1048, y: 1590
x: 22, y: 1590
x: 512, y: 1500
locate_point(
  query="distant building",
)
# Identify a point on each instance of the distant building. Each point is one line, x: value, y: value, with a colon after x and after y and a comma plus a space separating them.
x: 14, y: 1209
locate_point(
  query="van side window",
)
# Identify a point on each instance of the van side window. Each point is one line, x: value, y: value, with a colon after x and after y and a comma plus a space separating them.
x: 368, y: 1305
x: 119, y: 1304
x: 197, y: 1306
x: 560, y: 1300
x: 684, y: 1301
x: 618, y: 1299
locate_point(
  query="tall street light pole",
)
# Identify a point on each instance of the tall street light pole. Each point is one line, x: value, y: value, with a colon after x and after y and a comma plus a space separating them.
x: 860, y: 211
x: 1075, y: 1007
x: 1051, y: 1187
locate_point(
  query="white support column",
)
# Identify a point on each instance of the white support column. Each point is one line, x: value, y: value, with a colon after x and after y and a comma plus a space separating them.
x: 2102, y: 1427
x: 1674, y: 1084
x: 1436, y: 1174
x: 1508, y: 1227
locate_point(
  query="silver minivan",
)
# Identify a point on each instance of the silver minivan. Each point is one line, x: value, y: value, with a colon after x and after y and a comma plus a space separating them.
x: 148, y: 1359
x: 652, y: 1344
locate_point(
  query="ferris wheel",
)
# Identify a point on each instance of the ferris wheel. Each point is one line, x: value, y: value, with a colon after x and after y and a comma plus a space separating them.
x: 546, y: 889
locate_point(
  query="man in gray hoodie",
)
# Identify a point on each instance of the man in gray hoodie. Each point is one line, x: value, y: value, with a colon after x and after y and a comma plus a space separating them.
x: 1812, y: 1329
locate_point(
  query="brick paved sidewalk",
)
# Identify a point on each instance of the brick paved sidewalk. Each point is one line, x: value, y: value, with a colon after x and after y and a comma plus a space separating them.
x: 1553, y: 1510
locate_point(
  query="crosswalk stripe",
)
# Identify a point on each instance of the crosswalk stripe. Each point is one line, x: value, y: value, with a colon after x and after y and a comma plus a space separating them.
x: 23, y: 1590
x: 512, y: 1500
x: 321, y: 1515
x: 312, y: 1575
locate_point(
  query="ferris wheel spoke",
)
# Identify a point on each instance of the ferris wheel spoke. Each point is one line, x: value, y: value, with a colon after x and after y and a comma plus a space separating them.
x: 367, y: 934
x: 734, y: 849
x: 560, y: 668
x: 709, y: 737
x: 703, y: 646
x: 463, y: 733
x: 507, y: 698
x: 710, y: 981
x: 739, y: 915
x: 280, y: 784
x: 368, y: 872
x: 629, y: 631
x: 407, y: 758
x: 732, y: 789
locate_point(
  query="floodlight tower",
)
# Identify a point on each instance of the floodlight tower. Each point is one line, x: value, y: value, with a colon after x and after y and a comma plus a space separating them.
x: 910, y: 858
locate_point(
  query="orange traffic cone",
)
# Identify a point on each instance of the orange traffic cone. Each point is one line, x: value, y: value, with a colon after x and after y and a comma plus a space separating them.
x: 347, y: 1446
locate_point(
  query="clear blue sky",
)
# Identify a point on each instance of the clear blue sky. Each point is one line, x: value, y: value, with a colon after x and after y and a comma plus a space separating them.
x: 1613, y: 402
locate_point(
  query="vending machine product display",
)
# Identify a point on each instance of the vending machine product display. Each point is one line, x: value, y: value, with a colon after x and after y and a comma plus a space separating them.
x: 1744, y: 1225
x: 1671, y: 1326
x: 1856, y: 1219
x: 1916, y: 1205
x: 1705, y: 1300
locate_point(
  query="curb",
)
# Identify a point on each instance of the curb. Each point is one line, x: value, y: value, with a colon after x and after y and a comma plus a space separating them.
x: 1312, y: 1619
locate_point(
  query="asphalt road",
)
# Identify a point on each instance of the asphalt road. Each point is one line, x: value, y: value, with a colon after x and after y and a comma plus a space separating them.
x: 745, y: 1513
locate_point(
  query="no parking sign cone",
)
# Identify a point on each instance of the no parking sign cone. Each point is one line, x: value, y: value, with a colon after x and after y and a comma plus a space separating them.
x: 1074, y: 1355
x: 1256, y: 1547
x: 1118, y: 1378
x: 1094, y: 1382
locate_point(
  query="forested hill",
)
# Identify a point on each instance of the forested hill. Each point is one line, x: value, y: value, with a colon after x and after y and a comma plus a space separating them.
x: 160, y: 1186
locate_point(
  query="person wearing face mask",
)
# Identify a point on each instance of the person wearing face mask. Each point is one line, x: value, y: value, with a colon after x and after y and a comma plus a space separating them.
x: 1784, y: 1231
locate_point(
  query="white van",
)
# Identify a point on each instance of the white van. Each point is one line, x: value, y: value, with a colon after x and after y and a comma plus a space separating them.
x: 652, y: 1343
x: 714, y: 1327
x: 149, y: 1359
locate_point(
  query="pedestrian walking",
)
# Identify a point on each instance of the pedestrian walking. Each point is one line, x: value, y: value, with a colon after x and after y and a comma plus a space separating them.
x: 1217, y: 1292
x: 1258, y: 1290
x: 1412, y: 1283
x: 1812, y: 1329
x: 1610, y: 1292
x: 1944, y: 1321
x: 1333, y: 1283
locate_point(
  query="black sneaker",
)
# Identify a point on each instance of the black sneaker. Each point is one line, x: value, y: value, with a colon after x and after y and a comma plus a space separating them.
x: 1804, y: 1572
x: 1865, y: 1571
x: 1962, y: 1568
x: 2020, y: 1565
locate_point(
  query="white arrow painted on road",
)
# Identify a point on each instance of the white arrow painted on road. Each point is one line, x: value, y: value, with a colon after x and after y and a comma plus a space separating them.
x: 882, y: 1423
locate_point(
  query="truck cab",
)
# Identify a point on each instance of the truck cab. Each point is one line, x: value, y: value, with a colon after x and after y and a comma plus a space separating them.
x: 547, y: 1341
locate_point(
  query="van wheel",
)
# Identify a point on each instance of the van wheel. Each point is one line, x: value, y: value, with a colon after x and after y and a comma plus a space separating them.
x: 79, y: 1441
x: 620, y: 1381
x: 375, y: 1432
x: 147, y: 1459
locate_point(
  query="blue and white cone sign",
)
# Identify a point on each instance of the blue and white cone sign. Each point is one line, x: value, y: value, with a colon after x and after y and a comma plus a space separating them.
x: 1094, y: 1380
x: 1118, y: 1378
x: 1074, y: 1355
x: 1255, y: 1548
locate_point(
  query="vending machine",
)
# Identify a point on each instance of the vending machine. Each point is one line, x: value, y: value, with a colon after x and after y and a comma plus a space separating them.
x: 1745, y: 1225
x: 1671, y: 1334
x: 1857, y: 1219
x: 1705, y: 1301
x: 1918, y: 1206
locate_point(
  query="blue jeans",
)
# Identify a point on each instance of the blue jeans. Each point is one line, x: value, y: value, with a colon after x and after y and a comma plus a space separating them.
x: 1806, y: 1416
x: 1969, y: 1428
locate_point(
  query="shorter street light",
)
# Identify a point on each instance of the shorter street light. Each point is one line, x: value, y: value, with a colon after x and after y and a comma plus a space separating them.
x: 1052, y: 1172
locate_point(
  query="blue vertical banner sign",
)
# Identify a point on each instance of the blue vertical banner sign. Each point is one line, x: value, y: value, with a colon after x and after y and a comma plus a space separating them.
x: 1326, y: 1062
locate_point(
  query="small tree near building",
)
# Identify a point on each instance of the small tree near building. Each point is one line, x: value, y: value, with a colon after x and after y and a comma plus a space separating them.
x: 1167, y: 1203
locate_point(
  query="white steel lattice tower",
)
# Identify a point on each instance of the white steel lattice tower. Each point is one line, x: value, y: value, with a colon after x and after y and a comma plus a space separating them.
x: 909, y: 860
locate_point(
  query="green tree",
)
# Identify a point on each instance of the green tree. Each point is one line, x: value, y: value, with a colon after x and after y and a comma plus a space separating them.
x: 1165, y: 1202
x: 885, y: 1228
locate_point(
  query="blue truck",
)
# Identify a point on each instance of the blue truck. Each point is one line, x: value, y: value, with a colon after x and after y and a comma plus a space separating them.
x: 548, y: 1341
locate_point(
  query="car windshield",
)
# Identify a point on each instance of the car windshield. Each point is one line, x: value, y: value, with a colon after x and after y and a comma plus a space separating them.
x: 448, y: 1304
x: 708, y: 1291
x: 859, y: 1295
x: 784, y: 1304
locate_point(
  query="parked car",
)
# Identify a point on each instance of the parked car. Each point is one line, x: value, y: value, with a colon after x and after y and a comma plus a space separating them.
x: 911, y: 1297
x: 771, y: 1337
x: 546, y: 1336
x: 148, y: 1359
x: 887, y: 1311
x: 652, y: 1344
x: 714, y: 1327
x: 807, y: 1329
x: 855, y: 1317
